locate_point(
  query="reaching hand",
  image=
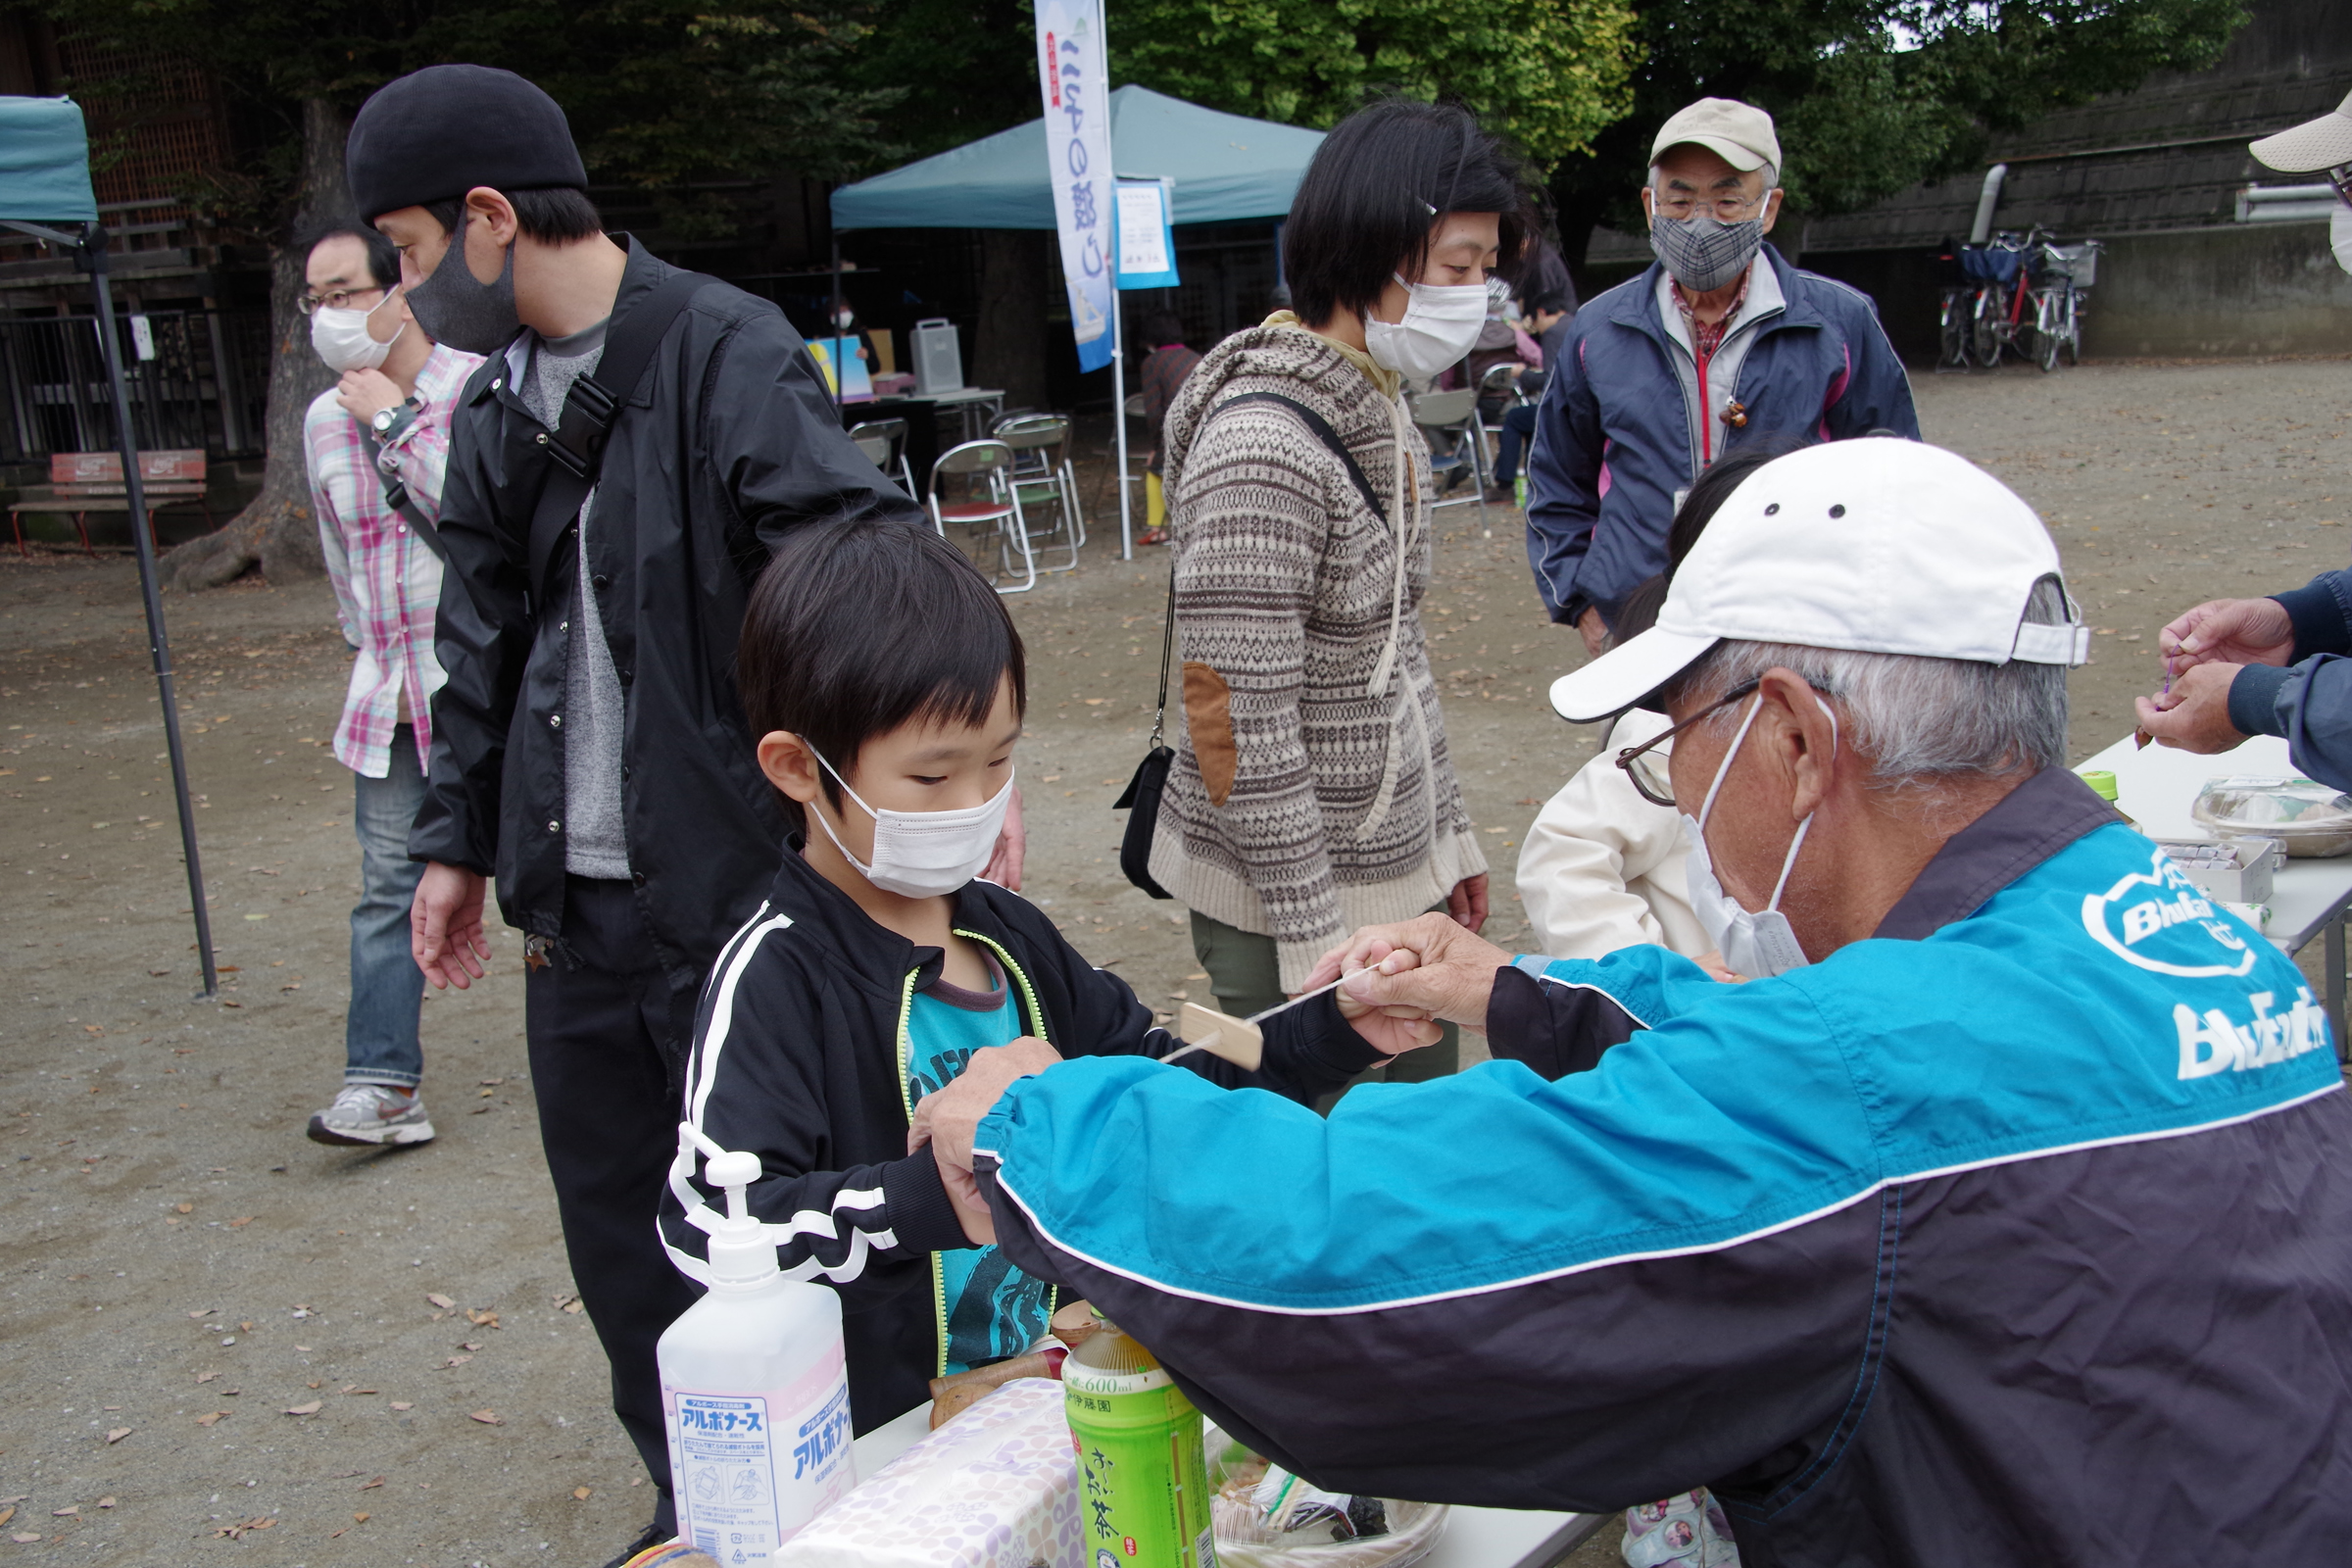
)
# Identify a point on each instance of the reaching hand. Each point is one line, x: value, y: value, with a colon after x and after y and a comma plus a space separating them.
x: 1594, y: 631
x: 2228, y: 631
x: 445, y: 926
x: 947, y: 1118
x: 2194, y: 715
x: 1430, y: 964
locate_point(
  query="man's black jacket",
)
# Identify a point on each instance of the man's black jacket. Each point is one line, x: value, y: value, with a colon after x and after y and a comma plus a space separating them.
x: 800, y: 1056
x: 730, y: 440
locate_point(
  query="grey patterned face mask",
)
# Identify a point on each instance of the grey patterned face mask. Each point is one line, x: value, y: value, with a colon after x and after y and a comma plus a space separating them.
x: 456, y: 308
x: 1702, y: 251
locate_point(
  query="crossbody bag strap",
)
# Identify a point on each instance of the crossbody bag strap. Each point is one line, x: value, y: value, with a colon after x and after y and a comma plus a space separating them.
x: 576, y: 446
x: 397, y: 497
x: 1325, y: 433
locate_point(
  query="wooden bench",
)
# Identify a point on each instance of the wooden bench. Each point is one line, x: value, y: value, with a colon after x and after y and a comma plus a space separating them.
x: 84, y: 482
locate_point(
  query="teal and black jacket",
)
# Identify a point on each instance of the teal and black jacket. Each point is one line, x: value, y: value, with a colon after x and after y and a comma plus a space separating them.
x: 800, y: 1056
x: 2021, y: 1233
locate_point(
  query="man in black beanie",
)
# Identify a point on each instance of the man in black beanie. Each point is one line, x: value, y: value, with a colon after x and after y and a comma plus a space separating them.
x: 638, y: 443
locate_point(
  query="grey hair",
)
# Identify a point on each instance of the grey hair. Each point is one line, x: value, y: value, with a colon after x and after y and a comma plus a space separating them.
x: 1918, y: 721
x: 1772, y: 178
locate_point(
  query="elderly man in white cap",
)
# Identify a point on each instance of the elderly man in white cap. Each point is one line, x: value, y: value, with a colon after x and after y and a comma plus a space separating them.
x: 1719, y: 345
x: 2277, y: 666
x: 2005, y: 1216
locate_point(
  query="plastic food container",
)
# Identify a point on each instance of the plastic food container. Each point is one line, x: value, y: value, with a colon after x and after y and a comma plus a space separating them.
x: 2312, y: 819
x: 1244, y: 1539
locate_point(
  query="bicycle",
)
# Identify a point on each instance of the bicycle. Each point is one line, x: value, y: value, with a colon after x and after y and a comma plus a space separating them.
x: 2062, y: 272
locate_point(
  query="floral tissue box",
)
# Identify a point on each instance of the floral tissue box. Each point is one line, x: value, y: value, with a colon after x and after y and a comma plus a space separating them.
x: 995, y: 1488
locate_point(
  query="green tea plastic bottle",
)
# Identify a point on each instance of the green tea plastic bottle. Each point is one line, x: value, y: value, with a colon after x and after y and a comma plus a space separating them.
x: 1143, y: 1484
x: 2102, y: 784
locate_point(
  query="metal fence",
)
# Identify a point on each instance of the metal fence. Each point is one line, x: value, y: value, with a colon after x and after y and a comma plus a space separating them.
x: 198, y: 379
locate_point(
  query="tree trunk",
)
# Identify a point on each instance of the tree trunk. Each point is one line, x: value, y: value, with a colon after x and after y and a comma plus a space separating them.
x: 1009, y: 349
x: 277, y: 532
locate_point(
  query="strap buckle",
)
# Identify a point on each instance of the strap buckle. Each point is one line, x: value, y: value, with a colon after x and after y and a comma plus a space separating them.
x: 578, y: 442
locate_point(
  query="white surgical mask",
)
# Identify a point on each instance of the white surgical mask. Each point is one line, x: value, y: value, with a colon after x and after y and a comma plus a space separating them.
x: 1441, y: 326
x: 343, y: 340
x: 2339, y: 236
x: 924, y: 854
x: 1755, y: 943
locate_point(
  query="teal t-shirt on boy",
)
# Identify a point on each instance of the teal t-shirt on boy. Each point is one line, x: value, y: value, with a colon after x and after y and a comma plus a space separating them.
x: 993, y: 1309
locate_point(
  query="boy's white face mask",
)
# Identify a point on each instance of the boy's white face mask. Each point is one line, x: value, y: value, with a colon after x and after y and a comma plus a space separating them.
x: 924, y: 854
x: 1758, y: 944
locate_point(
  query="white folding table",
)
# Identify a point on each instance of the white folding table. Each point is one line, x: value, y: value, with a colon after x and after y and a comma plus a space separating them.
x: 1474, y: 1538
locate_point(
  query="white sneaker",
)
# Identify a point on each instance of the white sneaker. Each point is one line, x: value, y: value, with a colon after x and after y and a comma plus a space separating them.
x: 372, y: 1113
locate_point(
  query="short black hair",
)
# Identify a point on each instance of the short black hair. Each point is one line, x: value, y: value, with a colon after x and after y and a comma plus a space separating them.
x: 1712, y: 489
x: 859, y: 625
x: 1162, y: 328
x: 1556, y: 304
x: 383, y: 260
x: 553, y: 215
x: 1374, y: 190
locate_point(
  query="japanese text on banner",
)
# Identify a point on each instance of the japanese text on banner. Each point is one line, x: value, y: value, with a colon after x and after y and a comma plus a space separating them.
x: 1074, y: 80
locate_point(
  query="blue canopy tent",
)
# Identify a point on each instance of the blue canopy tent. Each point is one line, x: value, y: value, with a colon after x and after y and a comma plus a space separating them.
x: 1222, y: 169
x: 45, y: 193
x: 1225, y: 167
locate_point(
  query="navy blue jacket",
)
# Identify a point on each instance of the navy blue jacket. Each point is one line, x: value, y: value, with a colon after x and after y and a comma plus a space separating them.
x: 1618, y: 436
x: 2310, y: 701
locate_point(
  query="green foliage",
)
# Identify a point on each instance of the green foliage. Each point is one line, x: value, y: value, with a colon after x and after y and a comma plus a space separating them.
x: 968, y: 68
x: 1550, y: 73
x: 659, y: 92
x: 1873, y: 96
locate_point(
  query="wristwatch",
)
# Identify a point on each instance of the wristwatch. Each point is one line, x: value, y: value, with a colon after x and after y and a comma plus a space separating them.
x: 389, y: 422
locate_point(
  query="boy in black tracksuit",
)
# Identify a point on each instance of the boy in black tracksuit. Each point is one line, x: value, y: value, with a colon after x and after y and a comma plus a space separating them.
x: 878, y: 667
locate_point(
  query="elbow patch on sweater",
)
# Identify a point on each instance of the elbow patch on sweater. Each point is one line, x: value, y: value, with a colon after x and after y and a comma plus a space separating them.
x: 1208, y: 716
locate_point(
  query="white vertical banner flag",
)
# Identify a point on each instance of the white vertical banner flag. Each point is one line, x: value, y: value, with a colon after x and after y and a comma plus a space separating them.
x: 1074, y: 77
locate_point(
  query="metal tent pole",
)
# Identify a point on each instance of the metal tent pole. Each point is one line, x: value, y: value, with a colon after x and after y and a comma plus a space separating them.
x: 91, y: 258
x: 1118, y: 414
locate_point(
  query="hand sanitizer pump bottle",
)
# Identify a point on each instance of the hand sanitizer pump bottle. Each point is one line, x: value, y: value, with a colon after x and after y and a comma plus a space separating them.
x: 754, y: 1387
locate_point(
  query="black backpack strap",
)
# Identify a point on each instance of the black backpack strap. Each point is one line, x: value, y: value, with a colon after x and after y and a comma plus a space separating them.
x: 576, y: 446
x: 1324, y: 433
x: 397, y: 497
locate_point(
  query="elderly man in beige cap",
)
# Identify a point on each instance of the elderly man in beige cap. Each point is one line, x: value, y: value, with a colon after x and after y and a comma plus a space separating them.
x: 2274, y: 666
x: 1720, y: 344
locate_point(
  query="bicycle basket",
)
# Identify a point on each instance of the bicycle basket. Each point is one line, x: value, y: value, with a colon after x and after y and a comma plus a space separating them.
x: 1987, y: 264
x: 2078, y: 263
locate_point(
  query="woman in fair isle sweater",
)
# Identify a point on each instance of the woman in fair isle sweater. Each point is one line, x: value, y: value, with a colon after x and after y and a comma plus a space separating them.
x: 1313, y: 793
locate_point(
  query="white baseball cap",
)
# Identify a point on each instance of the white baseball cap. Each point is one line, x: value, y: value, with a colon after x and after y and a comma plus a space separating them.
x: 2313, y: 145
x: 1741, y: 134
x: 1878, y: 545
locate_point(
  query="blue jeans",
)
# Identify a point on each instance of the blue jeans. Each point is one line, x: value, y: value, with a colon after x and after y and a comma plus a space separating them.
x: 1518, y: 431
x: 380, y: 1032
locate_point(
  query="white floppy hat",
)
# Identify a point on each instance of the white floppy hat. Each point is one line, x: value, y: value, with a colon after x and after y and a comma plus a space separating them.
x: 1878, y: 545
x: 2313, y: 145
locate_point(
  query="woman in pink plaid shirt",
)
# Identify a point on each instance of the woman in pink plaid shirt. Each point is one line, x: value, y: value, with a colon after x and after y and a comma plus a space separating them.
x: 386, y: 422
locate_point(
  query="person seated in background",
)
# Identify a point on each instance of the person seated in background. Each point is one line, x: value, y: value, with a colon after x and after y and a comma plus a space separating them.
x: 886, y: 685
x: 1604, y: 866
x: 1164, y: 370
x: 1549, y: 315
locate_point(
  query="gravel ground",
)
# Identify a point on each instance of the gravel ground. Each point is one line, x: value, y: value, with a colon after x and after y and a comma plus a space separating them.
x: 230, y: 1344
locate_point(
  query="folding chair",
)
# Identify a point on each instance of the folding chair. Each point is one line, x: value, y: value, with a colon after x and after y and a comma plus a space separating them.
x: 1457, y: 442
x: 1041, y: 473
x: 884, y: 443
x: 991, y: 509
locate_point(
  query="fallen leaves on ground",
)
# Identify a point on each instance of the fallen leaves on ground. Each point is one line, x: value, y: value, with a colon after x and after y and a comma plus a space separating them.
x: 209, y: 1420
x: 359, y: 1518
x: 105, y: 1503
x: 440, y: 1300
x: 237, y: 1532
x: 454, y: 1360
x: 481, y: 1320
x: 183, y: 1208
x: 488, y: 1418
x: 118, y: 1435
x: 311, y: 1408
x: 355, y: 1388
x: 404, y: 1404
x: 373, y: 1484
x: 583, y: 1493
x: 8, y: 1513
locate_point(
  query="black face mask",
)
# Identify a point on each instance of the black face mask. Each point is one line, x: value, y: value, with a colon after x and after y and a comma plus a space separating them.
x: 462, y: 311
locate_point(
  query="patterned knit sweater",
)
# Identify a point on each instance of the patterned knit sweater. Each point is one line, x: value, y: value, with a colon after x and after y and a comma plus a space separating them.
x: 1305, y: 802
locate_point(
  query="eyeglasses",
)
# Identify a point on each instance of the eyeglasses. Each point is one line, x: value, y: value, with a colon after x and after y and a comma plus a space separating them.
x: 337, y: 298
x: 1647, y: 771
x: 1729, y: 209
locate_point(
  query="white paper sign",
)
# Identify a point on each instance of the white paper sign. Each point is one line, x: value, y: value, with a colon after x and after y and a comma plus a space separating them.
x: 1143, y: 230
